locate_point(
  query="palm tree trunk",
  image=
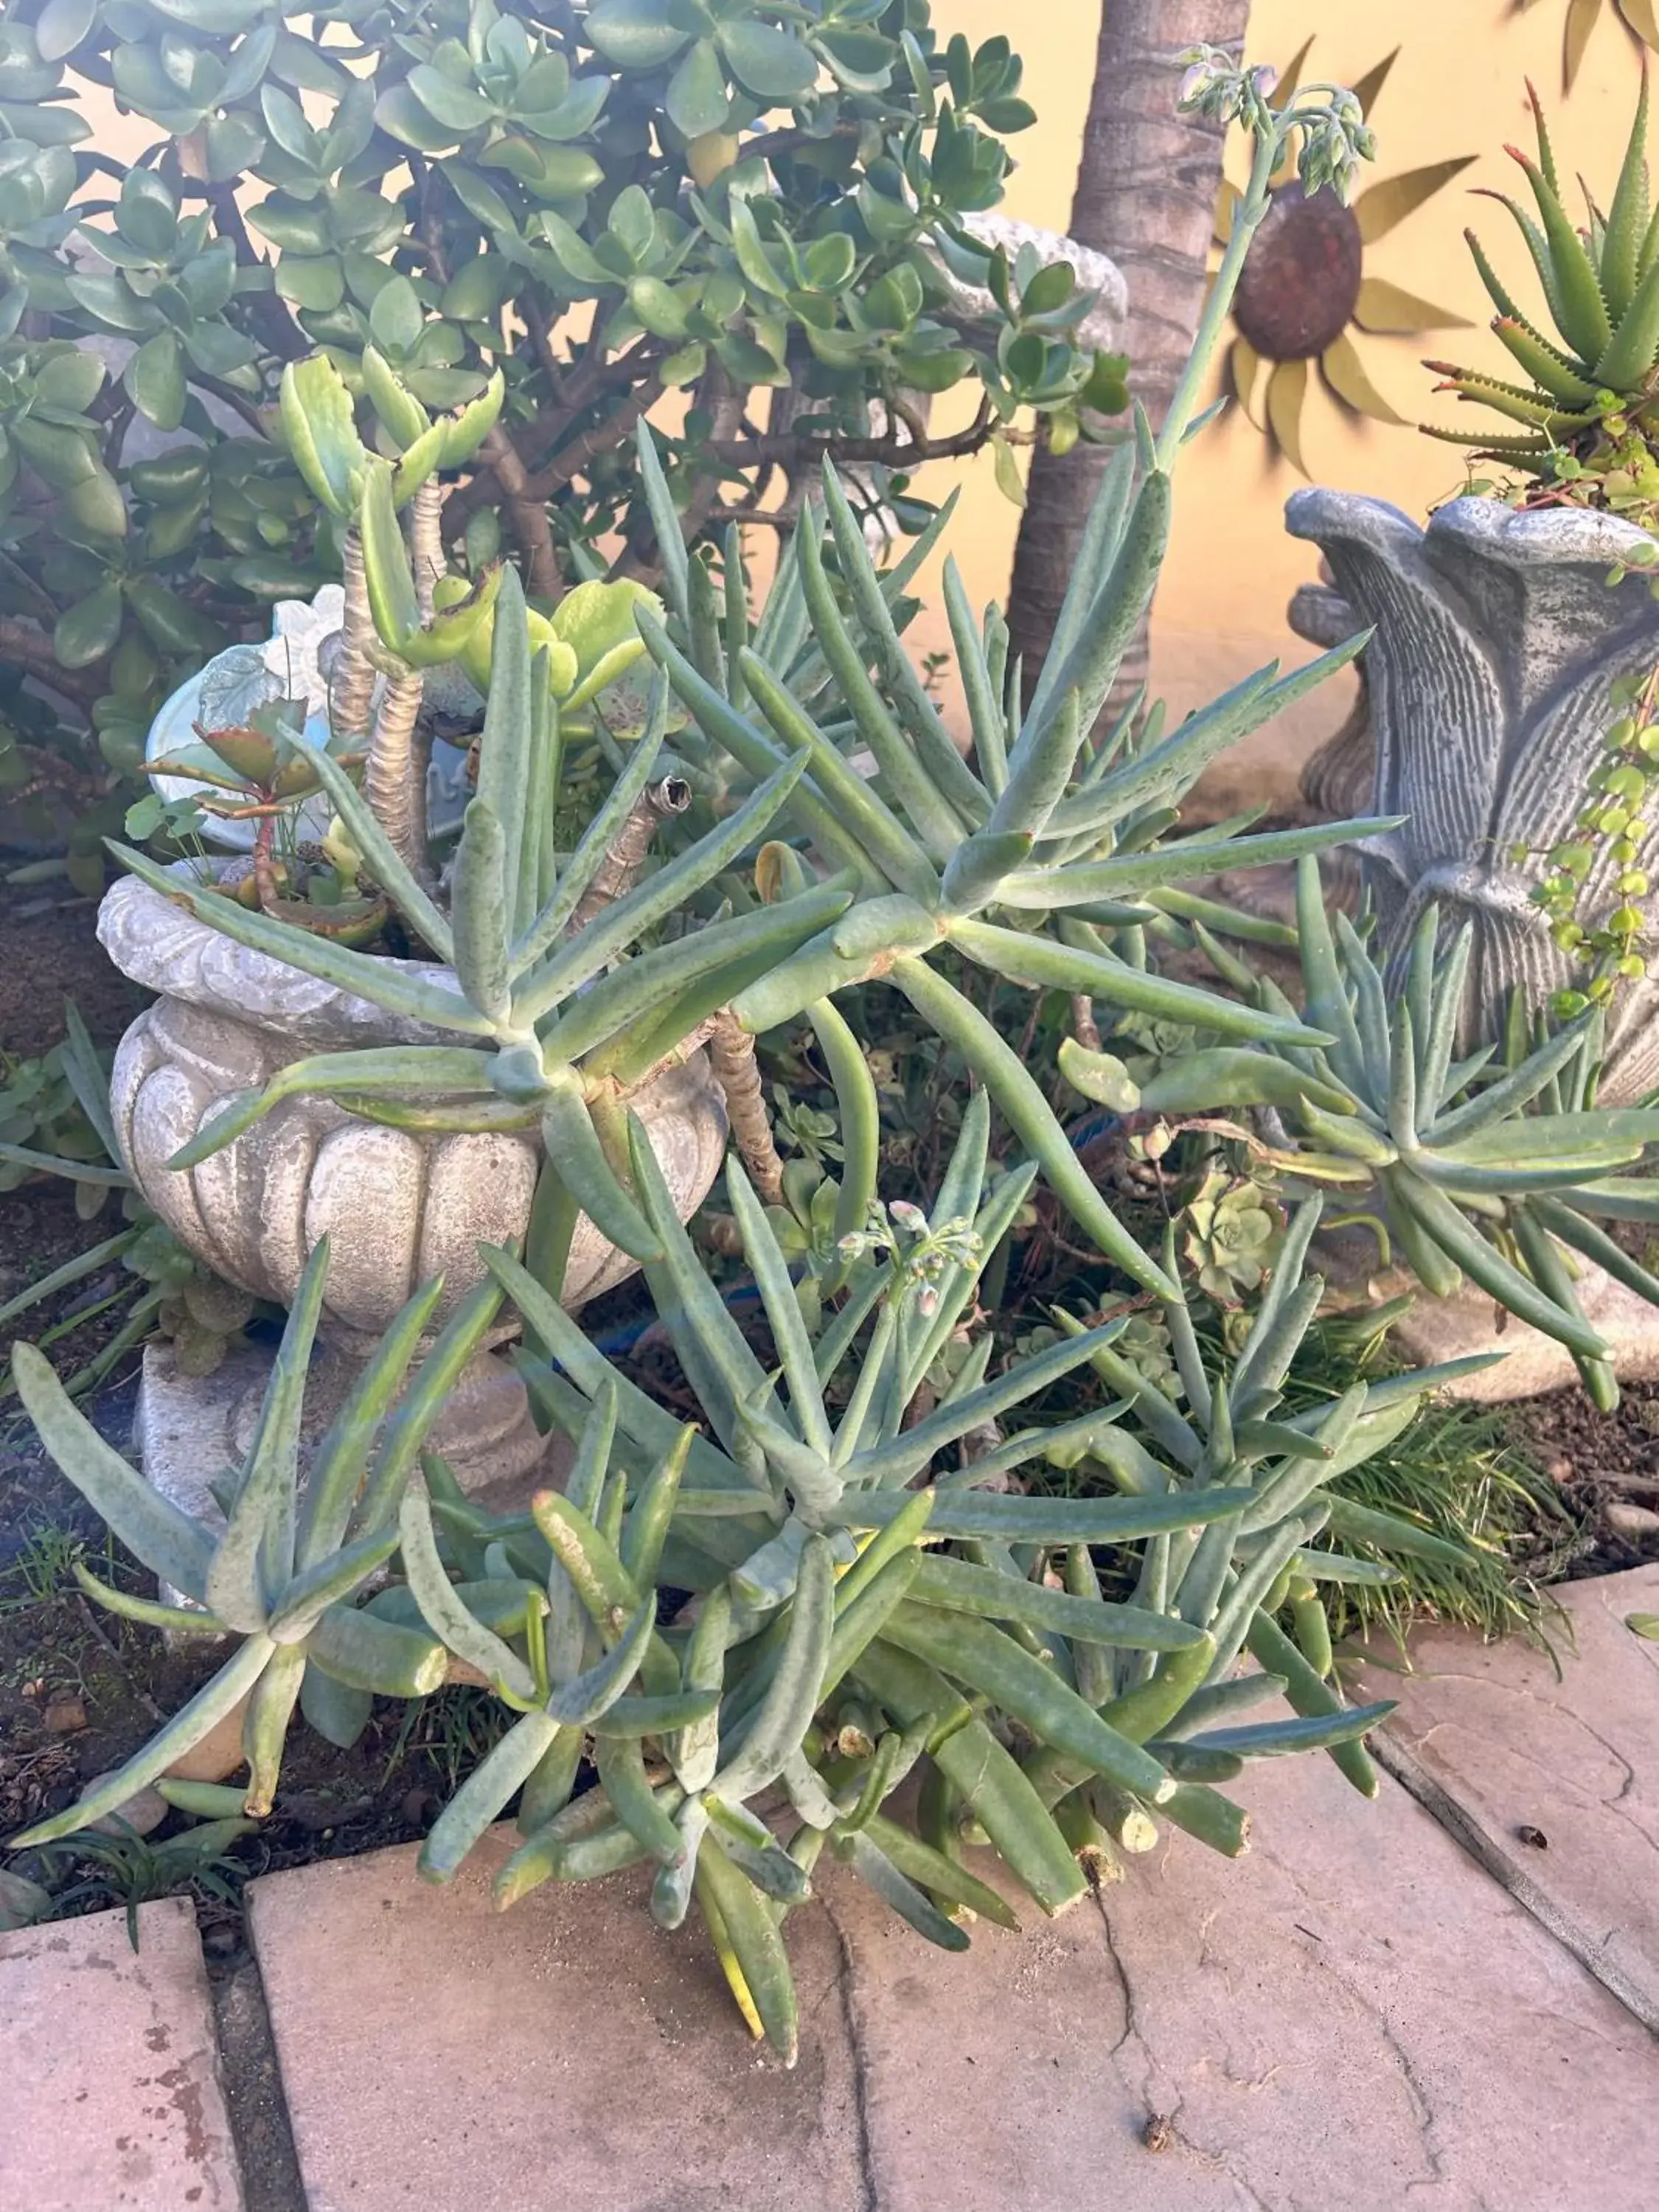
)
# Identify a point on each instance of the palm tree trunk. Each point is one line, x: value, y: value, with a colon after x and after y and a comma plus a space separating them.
x: 1146, y: 194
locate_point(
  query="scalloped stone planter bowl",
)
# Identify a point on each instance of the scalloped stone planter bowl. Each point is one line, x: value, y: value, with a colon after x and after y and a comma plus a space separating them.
x: 1496, y: 641
x: 396, y: 1207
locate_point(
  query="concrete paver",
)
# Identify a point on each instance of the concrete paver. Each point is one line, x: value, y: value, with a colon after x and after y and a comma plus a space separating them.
x: 437, y: 2054
x: 1352, y: 2018
x: 1553, y: 1781
x: 108, y: 2069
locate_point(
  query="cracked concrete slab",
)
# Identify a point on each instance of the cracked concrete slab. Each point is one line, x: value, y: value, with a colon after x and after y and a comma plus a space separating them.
x: 434, y: 2053
x: 112, y: 2097
x: 1352, y: 2017
x: 1553, y: 1782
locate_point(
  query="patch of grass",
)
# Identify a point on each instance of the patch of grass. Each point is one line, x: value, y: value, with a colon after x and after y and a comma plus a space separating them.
x: 123, y: 1868
x: 451, y: 1730
x: 43, y: 1569
x: 1457, y: 1473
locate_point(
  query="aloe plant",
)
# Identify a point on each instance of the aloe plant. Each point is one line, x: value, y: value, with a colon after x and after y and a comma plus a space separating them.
x: 1486, y: 1165
x: 851, y: 1629
x: 1020, y: 862
x: 1591, y: 372
x: 551, y: 1020
x: 281, y: 1574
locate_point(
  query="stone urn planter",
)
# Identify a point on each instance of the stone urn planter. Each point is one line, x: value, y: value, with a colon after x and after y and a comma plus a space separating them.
x: 396, y: 1207
x: 1496, y: 640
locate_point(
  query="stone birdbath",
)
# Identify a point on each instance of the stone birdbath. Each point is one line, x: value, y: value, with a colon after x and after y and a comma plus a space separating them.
x: 1486, y: 684
x: 1496, y: 641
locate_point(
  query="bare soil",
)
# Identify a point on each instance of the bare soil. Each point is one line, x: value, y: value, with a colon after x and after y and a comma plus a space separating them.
x: 51, y: 953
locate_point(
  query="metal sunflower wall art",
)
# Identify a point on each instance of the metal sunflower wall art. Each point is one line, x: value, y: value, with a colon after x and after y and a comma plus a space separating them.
x: 1306, y: 291
x: 1638, y: 17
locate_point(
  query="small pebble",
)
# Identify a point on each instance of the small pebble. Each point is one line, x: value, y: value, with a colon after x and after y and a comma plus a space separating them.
x: 1634, y: 1522
x: 1559, y: 1470
x: 142, y: 1812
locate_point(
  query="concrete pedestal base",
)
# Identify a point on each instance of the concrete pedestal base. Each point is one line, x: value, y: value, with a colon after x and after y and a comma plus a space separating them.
x: 189, y: 1429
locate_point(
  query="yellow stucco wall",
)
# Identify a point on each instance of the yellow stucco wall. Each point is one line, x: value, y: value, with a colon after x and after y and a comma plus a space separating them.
x: 1456, y: 89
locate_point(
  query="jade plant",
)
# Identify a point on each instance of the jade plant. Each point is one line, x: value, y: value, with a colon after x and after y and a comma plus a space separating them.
x: 753, y: 206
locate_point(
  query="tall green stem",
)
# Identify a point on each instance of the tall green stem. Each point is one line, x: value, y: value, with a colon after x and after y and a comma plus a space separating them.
x: 1247, y: 220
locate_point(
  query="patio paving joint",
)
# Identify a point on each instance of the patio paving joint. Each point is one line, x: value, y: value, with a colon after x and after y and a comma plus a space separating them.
x: 254, y: 2100
x: 1489, y: 1852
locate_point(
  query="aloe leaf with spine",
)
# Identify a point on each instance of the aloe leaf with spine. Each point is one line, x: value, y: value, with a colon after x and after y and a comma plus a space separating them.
x: 284, y: 1574
x: 1588, y: 365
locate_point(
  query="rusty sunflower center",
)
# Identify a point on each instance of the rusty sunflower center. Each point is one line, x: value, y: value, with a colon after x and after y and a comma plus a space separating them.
x: 1302, y: 275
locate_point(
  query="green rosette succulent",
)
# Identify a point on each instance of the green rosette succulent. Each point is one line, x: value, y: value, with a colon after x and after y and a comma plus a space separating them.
x: 1231, y: 1225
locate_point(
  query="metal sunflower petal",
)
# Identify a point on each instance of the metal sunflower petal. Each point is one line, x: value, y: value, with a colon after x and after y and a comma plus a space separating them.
x: 1366, y: 87
x: 1287, y: 387
x: 1388, y: 310
x: 1345, y: 372
x: 1581, y: 22
x: 1290, y: 76
x: 1379, y: 210
x: 1243, y: 368
x: 1226, y: 208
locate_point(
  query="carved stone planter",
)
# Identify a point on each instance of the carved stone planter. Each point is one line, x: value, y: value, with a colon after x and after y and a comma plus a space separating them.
x: 1496, y: 641
x: 396, y: 1207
